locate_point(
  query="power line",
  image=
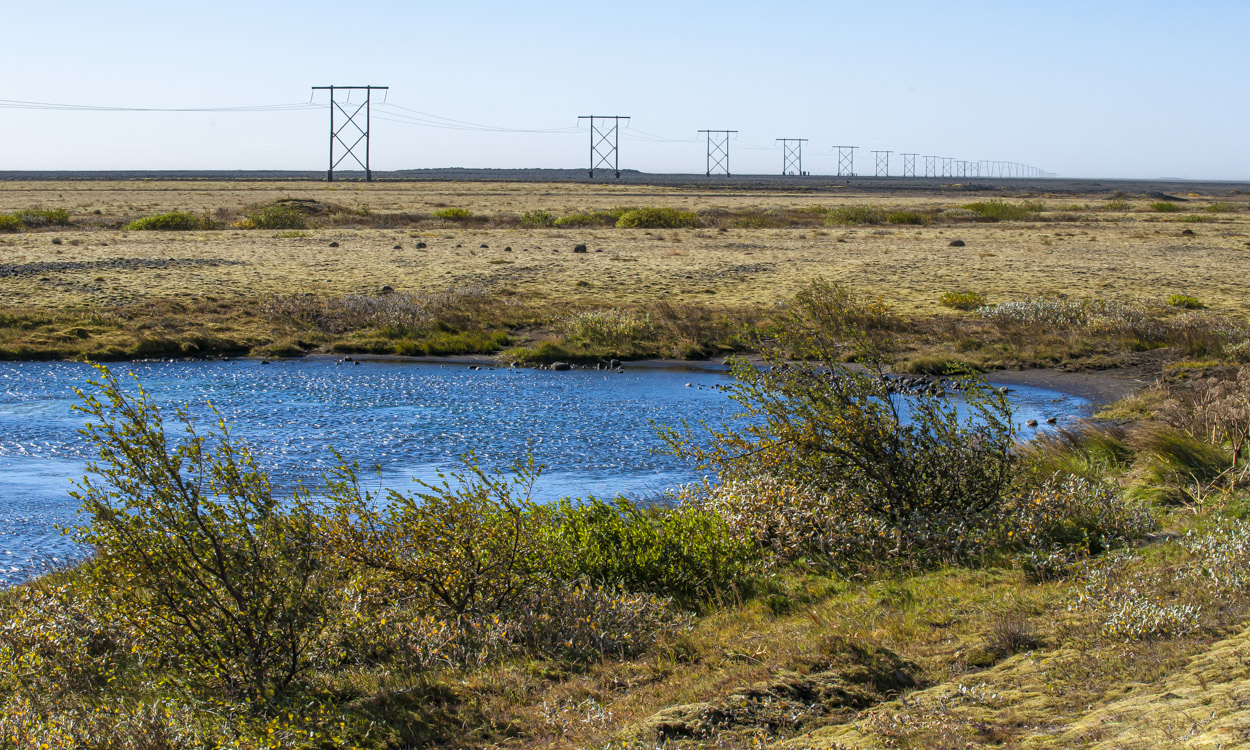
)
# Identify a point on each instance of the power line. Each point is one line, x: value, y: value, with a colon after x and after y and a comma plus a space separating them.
x: 16, y: 104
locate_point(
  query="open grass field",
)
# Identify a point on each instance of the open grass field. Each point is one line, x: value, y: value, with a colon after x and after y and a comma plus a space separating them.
x: 282, y: 268
x: 1073, y: 247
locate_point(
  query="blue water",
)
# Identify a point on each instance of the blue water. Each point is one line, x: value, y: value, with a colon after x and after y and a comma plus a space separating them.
x: 594, y: 430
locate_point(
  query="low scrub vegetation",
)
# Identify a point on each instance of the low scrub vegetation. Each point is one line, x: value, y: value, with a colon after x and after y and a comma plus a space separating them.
x: 34, y: 218
x: 1186, y: 301
x: 173, y: 221
x: 453, y: 214
x: 999, y: 210
x: 656, y: 218
x: 277, y: 217
x: 963, y: 300
x: 1164, y: 207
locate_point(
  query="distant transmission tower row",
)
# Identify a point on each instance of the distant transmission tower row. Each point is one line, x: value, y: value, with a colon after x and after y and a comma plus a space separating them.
x: 349, y: 138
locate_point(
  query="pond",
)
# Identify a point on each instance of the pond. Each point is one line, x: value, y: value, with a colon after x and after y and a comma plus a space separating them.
x: 595, y: 430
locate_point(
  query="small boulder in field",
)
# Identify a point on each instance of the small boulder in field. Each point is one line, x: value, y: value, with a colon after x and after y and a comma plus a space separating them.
x: 484, y: 246
x: 334, y: 244
x: 398, y: 247
x: 1188, y: 233
x: 387, y: 289
x: 579, y: 248
x: 421, y: 246
x: 561, y: 366
x: 957, y: 243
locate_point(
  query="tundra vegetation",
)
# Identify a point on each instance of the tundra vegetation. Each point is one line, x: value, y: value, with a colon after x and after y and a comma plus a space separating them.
x: 843, y: 578
x: 126, y: 270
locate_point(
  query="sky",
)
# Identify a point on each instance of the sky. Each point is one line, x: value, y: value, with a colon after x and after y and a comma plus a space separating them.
x: 1108, y: 89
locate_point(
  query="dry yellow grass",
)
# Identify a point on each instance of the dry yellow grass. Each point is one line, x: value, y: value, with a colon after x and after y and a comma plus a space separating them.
x: 1133, y: 254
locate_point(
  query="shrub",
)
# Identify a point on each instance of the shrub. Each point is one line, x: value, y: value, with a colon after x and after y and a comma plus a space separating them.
x: 35, y: 218
x: 853, y: 215
x: 593, y: 219
x: 685, y: 552
x: 468, y: 545
x: 1220, y: 208
x: 839, y: 320
x: 758, y: 221
x: 537, y: 219
x: 906, y: 217
x: 1186, y: 301
x: 582, y: 621
x: 999, y: 210
x: 657, y: 218
x: 1164, y: 207
x: 174, y: 221
x: 1221, y: 554
x: 453, y: 214
x: 1130, y: 605
x: 1073, y: 511
x: 194, y: 551
x: 9, y: 223
x: 963, y: 300
x: 278, y: 217
x: 785, y: 522
x: 1117, y: 204
x: 924, y: 476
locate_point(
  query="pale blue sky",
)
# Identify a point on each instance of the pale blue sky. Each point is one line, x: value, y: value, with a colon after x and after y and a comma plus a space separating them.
x: 1084, y: 89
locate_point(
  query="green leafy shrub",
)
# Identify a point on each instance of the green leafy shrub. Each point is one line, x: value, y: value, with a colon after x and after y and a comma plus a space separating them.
x: 963, y: 300
x: 1117, y: 204
x: 1186, y: 301
x: 855, y: 215
x: 453, y: 214
x: 591, y: 219
x: 193, y: 550
x: 1220, y: 208
x: 656, y: 218
x: 1000, y: 210
x: 9, y: 223
x: 685, y: 552
x: 1164, y: 207
x: 174, y: 221
x: 466, y: 546
x: 278, y: 217
x: 537, y: 219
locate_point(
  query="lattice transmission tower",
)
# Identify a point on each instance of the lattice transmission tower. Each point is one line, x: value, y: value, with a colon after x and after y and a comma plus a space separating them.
x: 344, y: 119
x: 605, y: 142
x: 792, y: 155
x: 718, y: 150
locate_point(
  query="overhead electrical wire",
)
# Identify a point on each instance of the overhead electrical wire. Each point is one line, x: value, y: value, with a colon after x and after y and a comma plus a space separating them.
x: 397, y: 114
x: 16, y: 104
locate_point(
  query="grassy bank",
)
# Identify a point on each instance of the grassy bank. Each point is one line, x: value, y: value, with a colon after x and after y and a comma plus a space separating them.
x: 844, y: 580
